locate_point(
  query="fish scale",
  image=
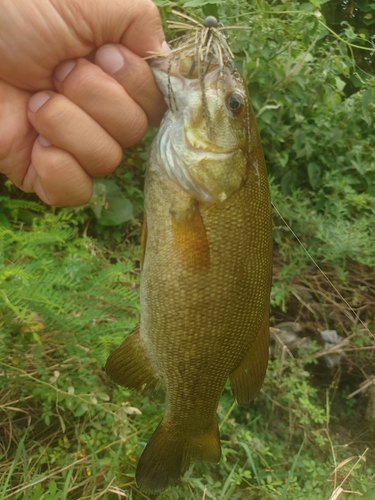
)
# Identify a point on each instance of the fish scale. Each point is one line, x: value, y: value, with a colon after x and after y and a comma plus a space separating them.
x: 206, y: 267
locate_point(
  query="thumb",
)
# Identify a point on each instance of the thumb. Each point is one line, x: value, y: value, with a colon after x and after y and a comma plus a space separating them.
x: 133, y: 23
x: 39, y: 34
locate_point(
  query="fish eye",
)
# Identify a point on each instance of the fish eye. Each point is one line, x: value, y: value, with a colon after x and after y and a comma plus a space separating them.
x: 235, y: 103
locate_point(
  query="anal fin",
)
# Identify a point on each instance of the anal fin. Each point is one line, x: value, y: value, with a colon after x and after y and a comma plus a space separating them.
x: 247, y: 379
x: 129, y: 365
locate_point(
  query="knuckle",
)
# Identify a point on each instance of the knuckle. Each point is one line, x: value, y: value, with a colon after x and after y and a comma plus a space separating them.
x: 63, y: 180
x: 86, y: 81
x: 54, y: 116
x: 109, y: 158
x: 135, y: 129
x: 152, y: 9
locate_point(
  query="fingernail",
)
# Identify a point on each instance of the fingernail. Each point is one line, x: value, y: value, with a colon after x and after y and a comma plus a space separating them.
x: 110, y: 59
x: 29, y: 180
x: 44, y: 142
x: 63, y: 69
x: 165, y: 47
x: 37, y: 100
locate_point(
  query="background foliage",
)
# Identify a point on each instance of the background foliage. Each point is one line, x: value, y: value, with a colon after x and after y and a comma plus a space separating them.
x: 69, y: 290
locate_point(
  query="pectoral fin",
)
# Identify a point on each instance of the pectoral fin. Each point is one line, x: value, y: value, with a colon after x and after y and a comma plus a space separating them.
x: 189, y: 234
x: 247, y: 378
x: 129, y: 365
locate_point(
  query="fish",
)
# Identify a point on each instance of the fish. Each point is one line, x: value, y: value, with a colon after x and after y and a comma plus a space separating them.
x: 206, y: 260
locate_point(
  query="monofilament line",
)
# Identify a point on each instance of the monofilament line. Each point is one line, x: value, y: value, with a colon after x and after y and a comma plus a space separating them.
x: 323, y: 273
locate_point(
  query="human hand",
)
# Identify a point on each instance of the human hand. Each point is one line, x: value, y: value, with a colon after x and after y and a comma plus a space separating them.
x: 98, y: 94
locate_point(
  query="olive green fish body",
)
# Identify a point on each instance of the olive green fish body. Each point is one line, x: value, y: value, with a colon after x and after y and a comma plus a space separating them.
x: 206, y: 270
x: 199, y: 323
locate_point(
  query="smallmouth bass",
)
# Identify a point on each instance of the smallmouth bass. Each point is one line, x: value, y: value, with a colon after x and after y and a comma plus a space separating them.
x: 206, y: 259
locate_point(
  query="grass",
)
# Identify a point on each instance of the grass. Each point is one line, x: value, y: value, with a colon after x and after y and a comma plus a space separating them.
x: 68, y: 432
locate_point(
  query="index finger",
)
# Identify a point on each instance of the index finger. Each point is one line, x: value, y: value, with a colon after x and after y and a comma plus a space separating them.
x: 135, y: 76
x: 44, y: 33
x: 133, y: 23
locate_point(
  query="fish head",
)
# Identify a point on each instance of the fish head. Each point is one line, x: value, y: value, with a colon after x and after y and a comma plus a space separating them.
x: 205, y: 135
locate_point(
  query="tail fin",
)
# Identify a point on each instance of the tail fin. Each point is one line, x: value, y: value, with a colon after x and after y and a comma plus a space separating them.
x: 130, y: 365
x: 168, y: 454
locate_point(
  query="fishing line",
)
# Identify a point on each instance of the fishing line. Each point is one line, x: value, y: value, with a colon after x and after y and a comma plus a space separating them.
x: 322, y: 272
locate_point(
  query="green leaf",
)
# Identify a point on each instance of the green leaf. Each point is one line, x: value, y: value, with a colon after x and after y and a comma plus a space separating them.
x: 314, y: 173
x: 211, y: 9
x: 200, y: 3
x: 52, y: 487
x: 288, y: 181
x: 117, y: 211
x: 340, y: 84
x: 108, y: 204
x: 81, y: 410
x: 62, y: 423
x: 318, y: 3
x: 366, y: 101
x: 350, y: 34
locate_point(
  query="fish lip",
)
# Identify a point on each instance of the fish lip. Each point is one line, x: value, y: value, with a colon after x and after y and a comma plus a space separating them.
x: 164, y: 69
x: 165, y: 65
x: 210, y: 149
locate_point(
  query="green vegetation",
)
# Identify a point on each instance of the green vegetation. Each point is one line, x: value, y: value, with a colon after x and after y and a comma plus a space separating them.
x: 69, y: 291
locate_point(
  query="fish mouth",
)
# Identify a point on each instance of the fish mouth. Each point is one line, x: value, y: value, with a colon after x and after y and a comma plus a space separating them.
x: 163, y: 72
x: 165, y: 69
x: 201, y: 147
x: 184, y: 66
x: 194, y: 154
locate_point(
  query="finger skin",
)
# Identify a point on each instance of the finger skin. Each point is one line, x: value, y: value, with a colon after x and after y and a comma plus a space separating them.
x: 137, y: 79
x: 56, y: 177
x: 44, y: 33
x: 69, y: 128
x: 106, y: 101
x: 38, y: 35
x: 16, y: 133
